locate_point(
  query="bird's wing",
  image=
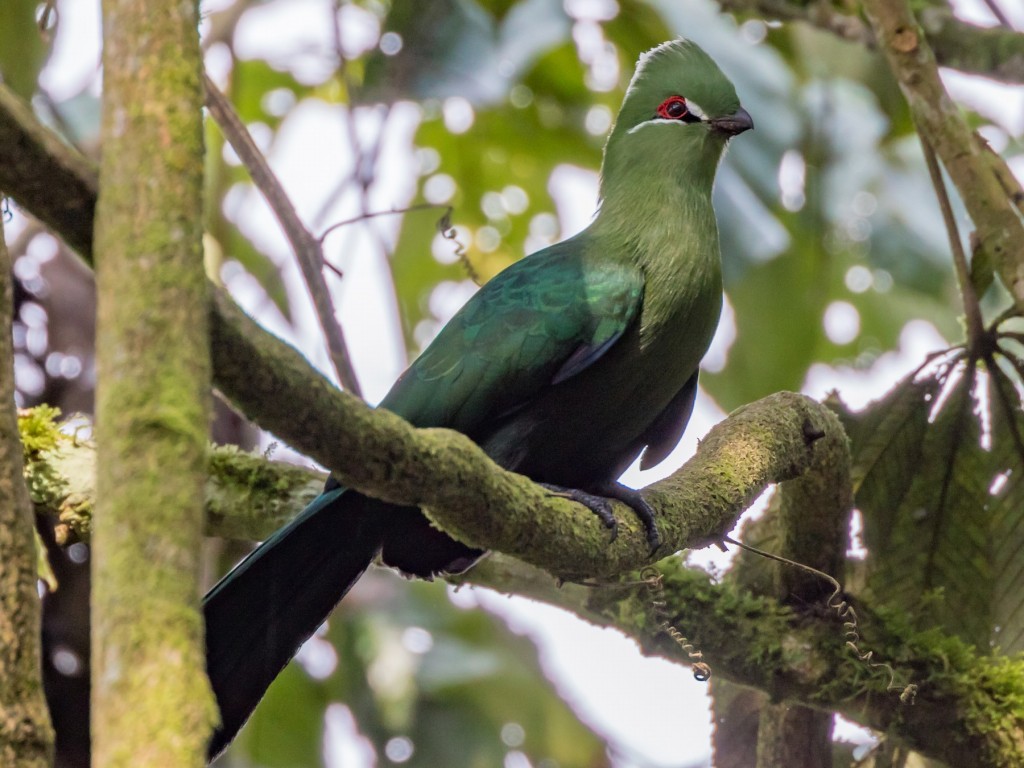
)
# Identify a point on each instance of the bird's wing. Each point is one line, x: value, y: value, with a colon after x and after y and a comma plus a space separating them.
x: 664, y: 434
x: 538, y: 323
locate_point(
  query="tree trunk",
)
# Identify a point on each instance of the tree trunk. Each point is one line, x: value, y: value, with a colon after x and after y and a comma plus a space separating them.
x: 26, y: 738
x: 151, y: 703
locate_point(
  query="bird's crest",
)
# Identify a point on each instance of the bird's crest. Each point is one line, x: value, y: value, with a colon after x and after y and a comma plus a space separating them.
x: 675, y: 75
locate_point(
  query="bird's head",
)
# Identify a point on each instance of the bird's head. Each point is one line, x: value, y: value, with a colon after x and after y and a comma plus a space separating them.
x: 678, y: 114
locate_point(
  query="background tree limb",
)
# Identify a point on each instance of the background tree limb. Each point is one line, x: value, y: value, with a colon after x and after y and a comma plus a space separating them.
x: 994, y: 52
x: 152, y: 395
x: 961, y: 716
x: 26, y: 738
x: 34, y: 161
x: 976, y: 172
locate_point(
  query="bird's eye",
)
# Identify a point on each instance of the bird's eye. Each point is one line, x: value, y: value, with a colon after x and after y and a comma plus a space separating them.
x: 673, y: 108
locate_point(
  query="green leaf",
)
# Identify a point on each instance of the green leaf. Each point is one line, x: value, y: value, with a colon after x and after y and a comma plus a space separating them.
x: 489, y: 162
x: 943, y: 506
x: 982, y: 271
x: 638, y: 27
x: 261, y: 93
x: 886, y: 439
x: 256, y: 262
x: 934, y: 563
x: 1005, y: 505
x: 22, y: 52
x: 476, y: 678
x: 778, y: 331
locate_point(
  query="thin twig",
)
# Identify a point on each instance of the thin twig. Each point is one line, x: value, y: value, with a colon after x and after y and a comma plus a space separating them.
x: 392, y: 212
x: 972, y: 310
x: 364, y: 160
x: 1007, y: 314
x: 998, y: 13
x: 307, y: 248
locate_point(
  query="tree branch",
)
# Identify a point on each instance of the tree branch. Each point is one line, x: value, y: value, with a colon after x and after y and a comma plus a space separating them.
x: 799, y: 657
x: 795, y: 655
x: 308, y: 249
x: 34, y: 161
x: 443, y: 471
x: 813, y: 518
x: 994, y: 52
x: 247, y: 496
x: 26, y: 736
x: 976, y: 172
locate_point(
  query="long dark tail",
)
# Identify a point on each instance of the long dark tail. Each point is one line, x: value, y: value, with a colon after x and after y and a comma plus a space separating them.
x: 263, y: 610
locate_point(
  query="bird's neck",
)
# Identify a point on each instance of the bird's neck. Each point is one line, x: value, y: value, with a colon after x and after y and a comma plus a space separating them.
x: 655, y: 195
x: 664, y: 223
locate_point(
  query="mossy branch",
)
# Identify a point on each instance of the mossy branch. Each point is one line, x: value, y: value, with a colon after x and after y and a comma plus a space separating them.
x: 247, y: 496
x: 796, y: 656
x: 753, y: 640
x: 444, y: 472
x: 966, y: 711
x: 993, y: 52
x: 34, y: 161
x: 26, y: 736
x: 813, y: 516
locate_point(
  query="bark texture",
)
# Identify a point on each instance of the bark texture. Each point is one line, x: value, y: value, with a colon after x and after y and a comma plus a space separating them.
x: 26, y: 738
x: 153, y: 394
x: 979, y: 174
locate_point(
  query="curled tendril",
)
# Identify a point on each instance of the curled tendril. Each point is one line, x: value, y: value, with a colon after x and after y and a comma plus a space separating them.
x: 851, y: 635
x: 846, y: 613
x: 651, y: 578
x: 448, y: 232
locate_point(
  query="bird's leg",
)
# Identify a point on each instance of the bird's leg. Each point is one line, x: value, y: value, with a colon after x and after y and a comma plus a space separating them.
x: 597, y: 502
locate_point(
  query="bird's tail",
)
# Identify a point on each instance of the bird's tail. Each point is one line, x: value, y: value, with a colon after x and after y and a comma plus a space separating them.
x: 262, y: 611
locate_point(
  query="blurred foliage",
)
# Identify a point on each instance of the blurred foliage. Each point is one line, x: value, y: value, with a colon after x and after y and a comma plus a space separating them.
x: 22, y: 47
x: 424, y: 679
x: 832, y: 243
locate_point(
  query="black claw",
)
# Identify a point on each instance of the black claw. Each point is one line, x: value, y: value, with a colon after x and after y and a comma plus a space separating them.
x: 644, y: 511
x: 596, y: 504
x: 599, y: 505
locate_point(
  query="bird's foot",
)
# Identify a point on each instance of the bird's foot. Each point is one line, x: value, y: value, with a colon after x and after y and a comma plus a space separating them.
x: 598, y: 504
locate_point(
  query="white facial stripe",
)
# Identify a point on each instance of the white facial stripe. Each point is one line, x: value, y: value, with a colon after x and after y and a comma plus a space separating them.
x: 695, y: 110
x: 657, y: 120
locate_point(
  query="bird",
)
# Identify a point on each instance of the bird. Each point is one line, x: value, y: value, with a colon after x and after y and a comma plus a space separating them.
x: 566, y: 367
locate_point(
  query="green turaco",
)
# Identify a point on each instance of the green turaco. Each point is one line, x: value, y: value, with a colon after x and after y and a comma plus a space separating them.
x: 565, y: 367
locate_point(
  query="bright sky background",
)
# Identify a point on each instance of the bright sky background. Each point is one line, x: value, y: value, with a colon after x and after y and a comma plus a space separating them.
x: 653, y: 711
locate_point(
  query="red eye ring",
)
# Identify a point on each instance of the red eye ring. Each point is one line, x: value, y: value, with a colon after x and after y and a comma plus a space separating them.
x: 673, y: 108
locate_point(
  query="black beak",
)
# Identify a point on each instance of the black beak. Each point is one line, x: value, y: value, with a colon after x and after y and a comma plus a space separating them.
x: 736, y: 123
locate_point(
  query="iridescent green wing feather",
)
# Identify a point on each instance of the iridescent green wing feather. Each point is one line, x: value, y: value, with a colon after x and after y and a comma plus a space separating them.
x: 540, y: 322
